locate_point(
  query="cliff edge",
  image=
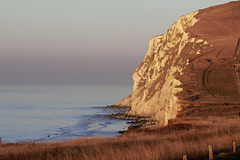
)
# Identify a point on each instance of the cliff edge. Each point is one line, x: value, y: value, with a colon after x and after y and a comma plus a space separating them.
x: 196, y: 61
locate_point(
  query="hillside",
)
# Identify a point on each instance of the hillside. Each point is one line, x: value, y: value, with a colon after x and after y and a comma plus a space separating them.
x: 195, y: 62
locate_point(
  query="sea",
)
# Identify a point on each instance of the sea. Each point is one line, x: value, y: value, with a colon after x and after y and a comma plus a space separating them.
x: 50, y: 113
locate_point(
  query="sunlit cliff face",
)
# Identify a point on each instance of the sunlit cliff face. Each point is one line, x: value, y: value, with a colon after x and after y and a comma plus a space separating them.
x: 155, y: 83
x: 191, y: 64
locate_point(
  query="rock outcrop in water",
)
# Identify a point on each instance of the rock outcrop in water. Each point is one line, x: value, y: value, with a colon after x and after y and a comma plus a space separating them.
x: 192, y: 63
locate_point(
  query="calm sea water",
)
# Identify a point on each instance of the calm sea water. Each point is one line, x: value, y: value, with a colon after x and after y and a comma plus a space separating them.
x: 60, y: 112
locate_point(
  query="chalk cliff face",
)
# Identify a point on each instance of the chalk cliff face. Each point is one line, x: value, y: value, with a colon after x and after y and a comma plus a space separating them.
x: 182, y: 65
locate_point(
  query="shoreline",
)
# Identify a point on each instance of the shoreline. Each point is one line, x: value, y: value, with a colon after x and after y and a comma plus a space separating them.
x: 93, y: 125
x: 136, y: 121
x: 170, y: 142
x: 187, y: 134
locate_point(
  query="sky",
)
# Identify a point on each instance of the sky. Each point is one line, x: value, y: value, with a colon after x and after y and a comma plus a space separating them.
x: 82, y: 41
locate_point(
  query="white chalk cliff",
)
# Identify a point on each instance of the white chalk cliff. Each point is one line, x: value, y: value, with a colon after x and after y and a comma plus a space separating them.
x: 158, y: 79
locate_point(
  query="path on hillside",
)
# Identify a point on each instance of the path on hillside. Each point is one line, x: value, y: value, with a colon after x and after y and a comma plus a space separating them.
x: 205, y: 73
x: 237, y: 66
x: 236, y: 72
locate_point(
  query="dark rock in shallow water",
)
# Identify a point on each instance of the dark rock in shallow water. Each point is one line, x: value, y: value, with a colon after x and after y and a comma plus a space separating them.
x: 118, y: 107
x: 136, y: 121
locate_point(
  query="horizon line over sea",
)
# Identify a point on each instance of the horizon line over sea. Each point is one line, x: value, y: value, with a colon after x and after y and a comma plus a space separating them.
x: 42, y: 113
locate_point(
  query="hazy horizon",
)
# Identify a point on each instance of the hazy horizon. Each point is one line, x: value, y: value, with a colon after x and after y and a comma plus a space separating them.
x: 81, y: 42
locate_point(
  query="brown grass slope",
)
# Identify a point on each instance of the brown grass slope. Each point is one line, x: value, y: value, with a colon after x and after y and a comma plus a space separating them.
x: 212, y: 73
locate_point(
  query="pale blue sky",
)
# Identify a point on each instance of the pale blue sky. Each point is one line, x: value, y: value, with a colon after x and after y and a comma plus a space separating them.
x: 76, y: 41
